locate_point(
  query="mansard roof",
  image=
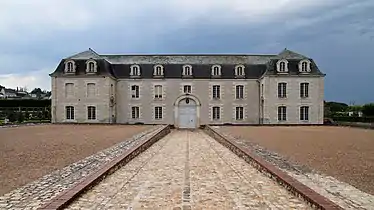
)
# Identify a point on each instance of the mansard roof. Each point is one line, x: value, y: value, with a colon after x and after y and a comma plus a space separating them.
x: 118, y: 66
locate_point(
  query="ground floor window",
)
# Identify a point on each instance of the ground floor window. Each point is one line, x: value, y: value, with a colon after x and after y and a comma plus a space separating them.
x: 135, y: 112
x: 91, y: 113
x: 304, y: 113
x: 158, y: 112
x: 282, y: 113
x: 239, y: 113
x: 216, y: 113
x: 69, y: 112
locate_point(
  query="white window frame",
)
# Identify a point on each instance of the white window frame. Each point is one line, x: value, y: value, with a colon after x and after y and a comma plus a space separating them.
x: 282, y: 113
x: 135, y: 94
x: 69, y: 112
x: 135, y: 71
x: 158, y: 113
x: 187, y: 89
x: 158, y: 71
x: 187, y: 70
x: 216, y: 92
x: 304, y: 66
x: 88, y: 66
x: 216, y: 113
x: 282, y: 66
x: 304, y: 113
x: 304, y: 90
x: 70, y: 66
x: 91, y: 113
x: 216, y: 70
x: 239, y: 113
x: 239, y: 71
x: 135, y: 112
x: 239, y: 92
x: 158, y: 90
x: 282, y: 90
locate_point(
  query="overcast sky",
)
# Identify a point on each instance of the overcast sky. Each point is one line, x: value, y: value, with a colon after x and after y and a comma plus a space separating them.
x: 339, y: 35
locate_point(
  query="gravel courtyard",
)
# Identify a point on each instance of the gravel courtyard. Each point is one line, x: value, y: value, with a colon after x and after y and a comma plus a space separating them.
x: 29, y: 152
x: 342, y: 152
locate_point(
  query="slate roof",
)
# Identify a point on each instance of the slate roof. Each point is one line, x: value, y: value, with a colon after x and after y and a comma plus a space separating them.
x: 118, y: 66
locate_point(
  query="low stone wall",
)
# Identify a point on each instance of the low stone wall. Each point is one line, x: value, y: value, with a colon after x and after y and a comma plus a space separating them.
x: 295, y: 187
x: 66, y: 197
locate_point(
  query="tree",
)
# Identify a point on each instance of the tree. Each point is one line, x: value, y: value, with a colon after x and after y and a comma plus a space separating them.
x: 368, y: 109
x: 336, y: 106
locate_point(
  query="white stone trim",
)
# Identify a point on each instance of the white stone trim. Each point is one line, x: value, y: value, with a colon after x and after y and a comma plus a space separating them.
x: 182, y: 87
x: 96, y: 112
x: 134, y: 73
x: 163, y: 89
x: 185, y: 72
x: 244, y: 112
x: 153, y: 105
x: 158, y: 74
x: 237, y: 70
x: 219, y: 70
x: 308, y: 66
x: 88, y: 66
x: 220, y: 110
x: 140, y: 84
x: 222, y: 92
x: 66, y: 67
x: 244, y: 91
x: 279, y: 66
x: 130, y: 112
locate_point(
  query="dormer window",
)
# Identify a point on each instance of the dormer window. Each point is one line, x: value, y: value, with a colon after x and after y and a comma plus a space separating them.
x: 304, y: 66
x: 187, y: 70
x: 216, y: 70
x: 282, y: 66
x: 239, y: 71
x: 70, y: 67
x: 91, y: 66
x: 158, y: 70
x: 135, y: 70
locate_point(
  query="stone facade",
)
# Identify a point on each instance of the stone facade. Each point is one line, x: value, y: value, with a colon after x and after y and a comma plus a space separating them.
x: 227, y: 89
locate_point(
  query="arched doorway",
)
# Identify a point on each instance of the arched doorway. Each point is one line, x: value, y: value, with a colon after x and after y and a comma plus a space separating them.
x: 187, y: 112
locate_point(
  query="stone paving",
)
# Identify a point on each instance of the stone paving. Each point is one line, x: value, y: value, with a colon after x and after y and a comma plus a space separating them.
x: 187, y: 170
x: 341, y: 193
x: 35, y: 194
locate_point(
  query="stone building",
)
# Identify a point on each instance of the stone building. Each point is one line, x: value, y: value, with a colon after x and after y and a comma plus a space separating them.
x: 188, y: 90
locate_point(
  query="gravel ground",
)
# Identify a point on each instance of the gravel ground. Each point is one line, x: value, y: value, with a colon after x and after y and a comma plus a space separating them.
x: 29, y: 152
x: 341, y: 152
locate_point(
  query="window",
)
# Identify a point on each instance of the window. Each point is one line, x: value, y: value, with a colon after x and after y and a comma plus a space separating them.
x: 216, y: 113
x: 69, y: 89
x: 91, y: 90
x: 135, y: 91
x: 111, y: 89
x: 282, y: 90
x: 216, y: 92
x: 158, y: 91
x: 239, y: 91
x: 239, y: 113
x: 158, y: 70
x: 134, y: 70
x: 304, y: 90
x: 216, y: 70
x: 91, y: 113
x: 304, y: 66
x: 135, y: 112
x: 187, y: 70
x: 187, y: 89
x: 69, y: 67
x: 158, y: 112
x: 91, y: 67
x: 282, y: 66
x: 282, y: 113
x: 69, y: 112
x: 239, y: 70
x: 304, y: 113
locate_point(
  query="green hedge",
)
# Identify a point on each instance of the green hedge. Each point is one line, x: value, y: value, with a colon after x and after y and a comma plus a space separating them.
x: 353, y: 119
x: 25, y: 103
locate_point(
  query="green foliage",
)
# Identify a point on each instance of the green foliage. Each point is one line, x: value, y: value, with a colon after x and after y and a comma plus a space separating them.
x: 25, y: 103
x: 11, y: 115
x: 20, y: 117
x: 353, y: 119
x: 368, y: 109
x: 355, y: 108
x: 336, y: 106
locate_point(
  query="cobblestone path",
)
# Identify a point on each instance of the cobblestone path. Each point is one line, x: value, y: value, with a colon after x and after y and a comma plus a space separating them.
x: 187, y: 170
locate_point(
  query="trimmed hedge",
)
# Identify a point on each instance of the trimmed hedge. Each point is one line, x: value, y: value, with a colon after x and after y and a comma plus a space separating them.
x: 25, y: 103
x: 353, y: 119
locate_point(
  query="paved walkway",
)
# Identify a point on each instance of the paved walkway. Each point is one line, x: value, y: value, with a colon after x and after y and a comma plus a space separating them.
x: 188, y: 170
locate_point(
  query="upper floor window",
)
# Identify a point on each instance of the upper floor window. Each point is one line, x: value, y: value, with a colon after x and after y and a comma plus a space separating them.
x: 135, y: 70
x: 216, y: 92
x: 216, y: 70
x: 282, y: 90
x: 91, y: 66
x: 282, y: 66
x: 304, y: 66
x: 239, y: 92
x: 304, y: 90
x: 187, y: 89
x: 158, y: 91
x: 158, y: 70
x: 134, y: 91
x: 239, y: 71
x: 69, y: 89
x: 70, y: 67
x: 187, y: 70
x: 91, y: 89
